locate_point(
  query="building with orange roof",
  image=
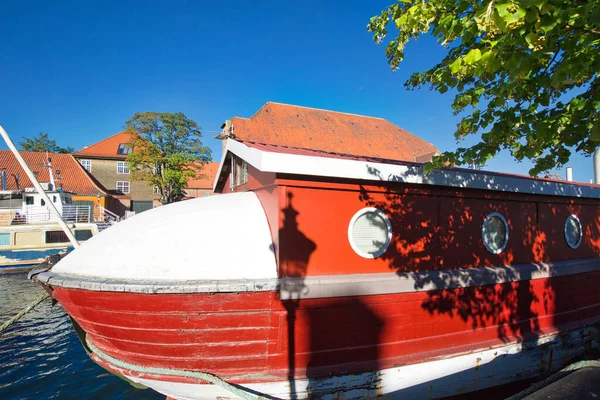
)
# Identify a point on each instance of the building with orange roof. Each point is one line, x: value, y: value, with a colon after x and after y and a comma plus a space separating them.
x: 69, y: 175
x: 329, y: 131
x: 106, y: 162
x: 203, y: 186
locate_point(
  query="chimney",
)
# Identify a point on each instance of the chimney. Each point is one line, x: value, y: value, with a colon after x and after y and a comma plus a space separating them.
x: 570, y: 174
x: 226, y: 132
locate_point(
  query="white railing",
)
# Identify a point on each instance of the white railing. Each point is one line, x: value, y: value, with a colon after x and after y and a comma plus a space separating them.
x: 108, y: 216
x: 76, y: 214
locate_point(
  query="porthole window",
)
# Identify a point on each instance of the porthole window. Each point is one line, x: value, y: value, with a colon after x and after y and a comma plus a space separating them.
x: 573, y: 231
x: 494, y: 233
x: 370, y: 232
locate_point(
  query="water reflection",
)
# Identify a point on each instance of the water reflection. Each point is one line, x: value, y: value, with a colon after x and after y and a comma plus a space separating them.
x: 41, y: 356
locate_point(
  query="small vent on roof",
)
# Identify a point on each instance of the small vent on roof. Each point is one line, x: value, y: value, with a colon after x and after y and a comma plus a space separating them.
x: 326, y: 119
x: 304, y: 126
x: 333, y: 129
x: 377, y: 126
x: 297, y: 115
x: 266, y: 110
x: 341, y: 141
x: 369, y: 144
x: 276, y: 134
x: 310, y: 138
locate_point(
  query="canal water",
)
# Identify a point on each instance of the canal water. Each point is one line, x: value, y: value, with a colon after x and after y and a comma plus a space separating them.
x: 41, y: 356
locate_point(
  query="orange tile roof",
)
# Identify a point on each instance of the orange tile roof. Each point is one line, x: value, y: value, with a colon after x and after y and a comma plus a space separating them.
x: 67, y: 172
x: 210, y: 170
x: 330, y: 131
x: 106, y: 148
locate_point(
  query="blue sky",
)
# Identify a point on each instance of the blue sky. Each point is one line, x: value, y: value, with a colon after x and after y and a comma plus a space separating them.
x: 79, y: 70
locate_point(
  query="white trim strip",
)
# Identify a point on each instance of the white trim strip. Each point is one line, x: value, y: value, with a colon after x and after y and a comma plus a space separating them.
x: 314, y: 287
x: 364, y: 170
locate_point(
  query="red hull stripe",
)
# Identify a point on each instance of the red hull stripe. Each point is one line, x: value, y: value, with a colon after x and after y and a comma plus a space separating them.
x: 236, y: 334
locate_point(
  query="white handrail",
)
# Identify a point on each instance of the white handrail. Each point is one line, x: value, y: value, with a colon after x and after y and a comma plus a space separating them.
x: 38, y: 187
x: 107, y: 211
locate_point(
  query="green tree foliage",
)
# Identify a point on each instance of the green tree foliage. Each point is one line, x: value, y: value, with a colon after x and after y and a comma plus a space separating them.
x: 43, y: 143
x: 166, y: 151
x: 524, y: 73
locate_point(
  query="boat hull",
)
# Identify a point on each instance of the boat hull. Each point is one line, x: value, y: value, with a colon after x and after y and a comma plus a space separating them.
x: 362, y: 346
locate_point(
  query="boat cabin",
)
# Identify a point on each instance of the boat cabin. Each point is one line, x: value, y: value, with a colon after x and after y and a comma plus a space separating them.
x: 379, y: 215
x: 28, y: 206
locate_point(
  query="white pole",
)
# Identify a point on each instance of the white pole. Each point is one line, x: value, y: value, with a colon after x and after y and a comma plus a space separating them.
x: 570, y: 174
x: 38, y: 187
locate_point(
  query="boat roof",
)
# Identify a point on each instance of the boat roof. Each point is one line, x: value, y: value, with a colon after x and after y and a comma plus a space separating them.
x: 301, y: 161
x: 330, y: 131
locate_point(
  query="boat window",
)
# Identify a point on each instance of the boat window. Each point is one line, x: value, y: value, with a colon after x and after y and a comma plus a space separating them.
x: 42, y: 202
x: 29, y: 200
x: 54, y: 199
x: 573, y: 231
x: 83, y: 234
x: 239, y: 172
x: 370, y: 232
x: 56, y: 237
x: 494, y: 233
x: 4, y: 239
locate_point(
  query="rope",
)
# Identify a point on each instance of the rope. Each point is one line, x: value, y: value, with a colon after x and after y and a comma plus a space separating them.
x: 554, y: 377
x: 236, y: 390
x: 30, y: 307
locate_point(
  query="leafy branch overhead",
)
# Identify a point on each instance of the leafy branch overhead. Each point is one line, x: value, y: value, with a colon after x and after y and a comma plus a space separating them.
x: 524, y: 73
x: 167, y: 151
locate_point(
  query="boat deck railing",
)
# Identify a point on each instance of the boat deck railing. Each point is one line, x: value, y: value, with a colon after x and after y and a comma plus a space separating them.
x: 33, y: 215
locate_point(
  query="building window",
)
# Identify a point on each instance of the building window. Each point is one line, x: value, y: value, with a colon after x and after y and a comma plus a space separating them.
x: 370, y: 232
x: 87, y: 164
x: 573, y: 231
x: 123, y: 187
x: 494, y: 233
x: 122, y: 167
x: 239, y: 172
x: 56, y: 237
x: 124, y: 149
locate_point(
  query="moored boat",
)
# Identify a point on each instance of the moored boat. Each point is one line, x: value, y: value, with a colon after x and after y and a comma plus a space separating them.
x: 323, y: 275
x: 29, y: 232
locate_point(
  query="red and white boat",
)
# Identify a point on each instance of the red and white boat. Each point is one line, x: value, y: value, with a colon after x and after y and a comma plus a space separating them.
x: 328, y: 275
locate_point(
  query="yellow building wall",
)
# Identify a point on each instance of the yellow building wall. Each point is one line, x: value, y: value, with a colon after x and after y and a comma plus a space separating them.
x: 98, y: 201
